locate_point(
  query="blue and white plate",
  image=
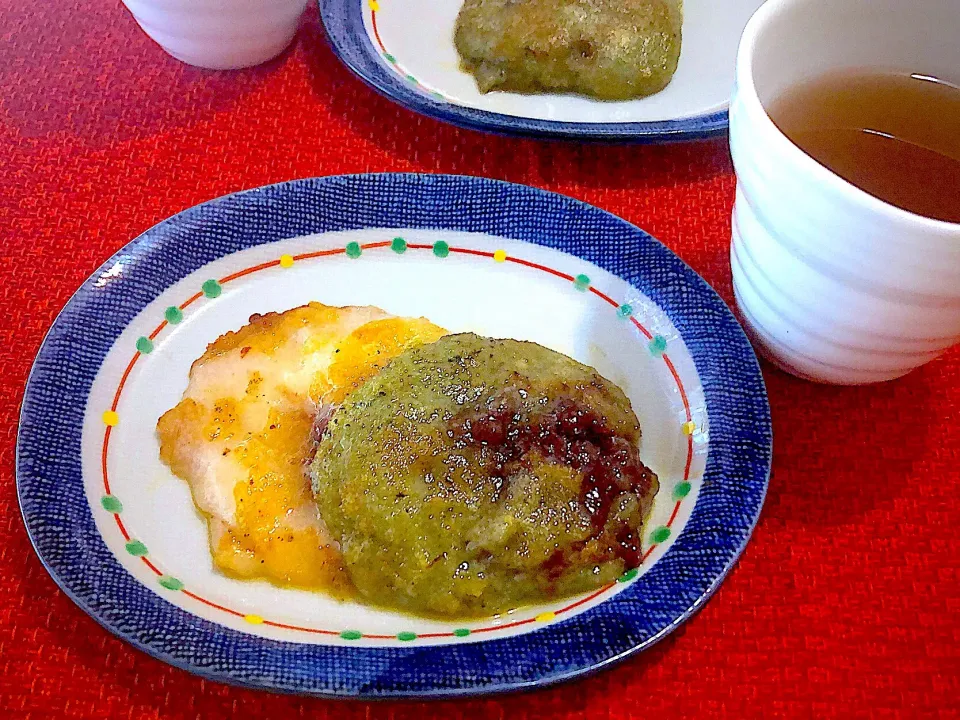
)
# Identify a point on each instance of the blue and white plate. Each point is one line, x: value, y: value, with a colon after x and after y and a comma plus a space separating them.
x: 120, y: 535
x: 404, y: 49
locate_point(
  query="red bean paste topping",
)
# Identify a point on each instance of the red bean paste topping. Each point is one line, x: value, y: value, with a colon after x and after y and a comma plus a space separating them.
x: 565, y: 434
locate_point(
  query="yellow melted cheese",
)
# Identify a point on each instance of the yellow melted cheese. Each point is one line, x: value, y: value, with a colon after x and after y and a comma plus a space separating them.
x: 243, y: 434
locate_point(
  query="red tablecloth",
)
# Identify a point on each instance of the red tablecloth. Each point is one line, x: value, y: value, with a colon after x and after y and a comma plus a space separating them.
x: 845, y: 602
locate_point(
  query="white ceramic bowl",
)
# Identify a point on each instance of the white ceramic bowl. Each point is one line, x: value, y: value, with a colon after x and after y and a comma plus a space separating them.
x: 833, y: 284
x: 219, y: 34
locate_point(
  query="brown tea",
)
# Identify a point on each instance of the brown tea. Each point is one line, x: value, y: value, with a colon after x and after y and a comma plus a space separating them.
x: 896, y: 136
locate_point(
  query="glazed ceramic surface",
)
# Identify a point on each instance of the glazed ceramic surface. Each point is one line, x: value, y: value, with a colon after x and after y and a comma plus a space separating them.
x: 120, y: 533
x: 405, y: 50
x: 834, y: 284
x: 219, y: 34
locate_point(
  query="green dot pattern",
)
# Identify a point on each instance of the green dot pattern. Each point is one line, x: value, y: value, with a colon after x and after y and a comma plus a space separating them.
x: 412, y: 79
x: 660, y: 534
x: 111, y: 503
x: 170, y: 583
x: 211, y: 288
x: 438, y: 96
x: 390, y: 58
x: 135, y: 547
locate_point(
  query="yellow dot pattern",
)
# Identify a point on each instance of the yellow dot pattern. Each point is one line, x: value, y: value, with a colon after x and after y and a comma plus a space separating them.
x: 211, y: 288
x: 374, y: 5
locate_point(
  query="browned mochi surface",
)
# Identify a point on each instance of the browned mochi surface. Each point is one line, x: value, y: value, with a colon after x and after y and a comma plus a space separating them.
x: 473, y: 475
x: 244, y: 433
x: 609, y: 49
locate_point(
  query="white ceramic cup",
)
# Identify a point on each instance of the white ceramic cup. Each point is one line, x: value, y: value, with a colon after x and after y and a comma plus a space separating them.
x: 833, y: 284
x: 219, y: 34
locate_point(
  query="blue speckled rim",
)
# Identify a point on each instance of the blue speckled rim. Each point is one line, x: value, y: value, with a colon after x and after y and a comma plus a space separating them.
x: 61, y: 527
x: 343, y: 20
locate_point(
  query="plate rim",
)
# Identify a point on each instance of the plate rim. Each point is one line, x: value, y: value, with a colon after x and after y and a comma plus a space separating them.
x: 342, y: 21
x: 544, y: 680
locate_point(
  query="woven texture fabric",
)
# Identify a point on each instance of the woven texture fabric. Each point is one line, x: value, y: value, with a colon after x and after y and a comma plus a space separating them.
x: 847, y: 600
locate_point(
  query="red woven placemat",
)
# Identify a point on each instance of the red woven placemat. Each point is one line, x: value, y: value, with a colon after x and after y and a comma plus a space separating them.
x: 847, y: 600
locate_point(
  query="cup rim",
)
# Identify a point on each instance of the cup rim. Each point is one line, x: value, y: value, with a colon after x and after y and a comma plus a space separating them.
x: 747, y: 94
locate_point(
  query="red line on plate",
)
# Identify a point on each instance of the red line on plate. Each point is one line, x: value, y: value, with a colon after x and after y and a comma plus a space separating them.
x: 103, y: 460
x: 191, y: 300
x: 676, y: 509
x: 213, y: 604
x: 271, y: 623
x: 249, y: 271
x: 150, y: 565
x: 610, y: 300
x: 538, y: 266
x: 372, y: 246
x: 686, y: 409
x: 587, y: 599
x: 376, y: 32
x: 647, y: 554
x: 123, y: 529
x: 156, y: 332
x: 123, y: 381
x: 468, y: 251
x: 683, y: 393
x: 319, y: 253
x: 642, y: 329
x: 503, y: 627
